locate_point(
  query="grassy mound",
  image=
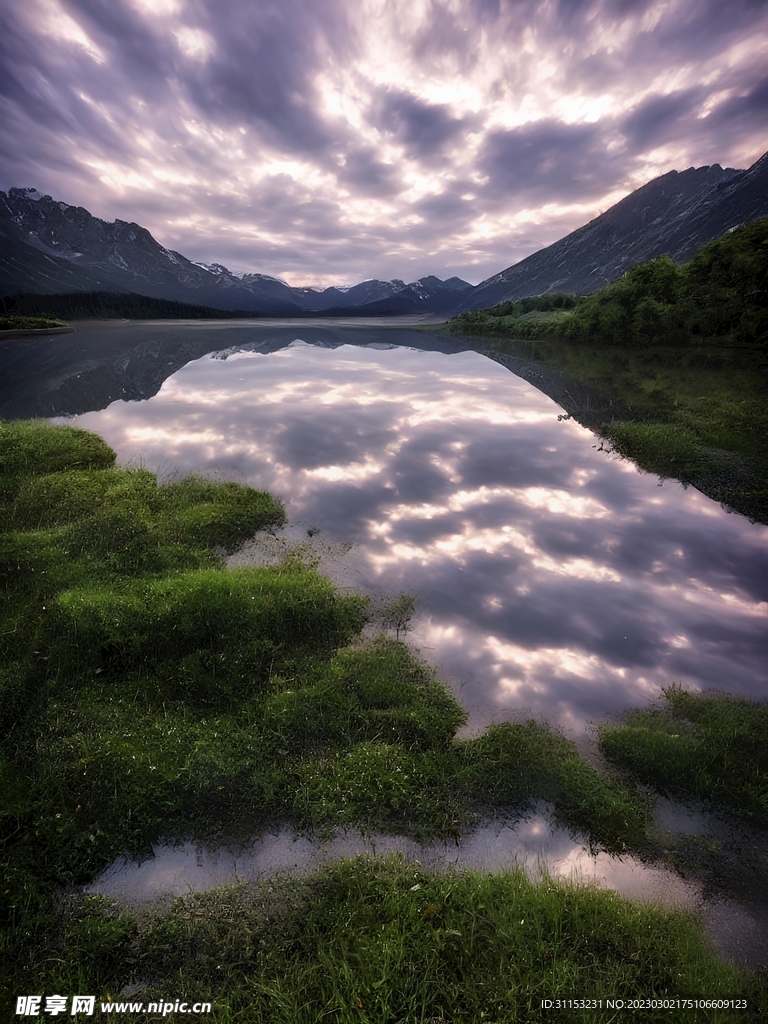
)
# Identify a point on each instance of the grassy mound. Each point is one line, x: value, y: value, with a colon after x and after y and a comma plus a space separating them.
x: 34, y: 447
x: 714, y: 747
x: 28, y: 323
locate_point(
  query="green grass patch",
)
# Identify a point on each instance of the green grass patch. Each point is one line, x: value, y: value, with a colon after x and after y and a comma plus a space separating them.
x: 28, y: 323
x: 512, y: 762
x: 662, y: 448
x: 713, y: 747
x: 208, y: 637
x: 383, y: 940
x: 34, y: 447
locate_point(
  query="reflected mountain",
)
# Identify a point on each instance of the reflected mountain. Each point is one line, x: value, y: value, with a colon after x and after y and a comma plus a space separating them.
x: 107, y: 361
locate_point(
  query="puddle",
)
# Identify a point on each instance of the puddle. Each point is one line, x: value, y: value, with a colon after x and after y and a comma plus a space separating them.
x: 536, y: 843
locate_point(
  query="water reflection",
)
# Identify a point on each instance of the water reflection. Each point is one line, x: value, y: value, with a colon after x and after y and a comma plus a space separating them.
x: 550, y: 575
x: 535, y: 844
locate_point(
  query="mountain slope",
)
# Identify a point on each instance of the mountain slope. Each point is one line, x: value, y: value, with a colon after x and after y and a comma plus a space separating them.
x: 24, y: 268
x: 118, y: 255
x: 673, y: 215
x: 48, y: 246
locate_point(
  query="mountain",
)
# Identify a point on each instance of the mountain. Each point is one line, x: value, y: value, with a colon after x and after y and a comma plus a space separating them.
x: 673, y: 214
x: 357, y: 295
x: 48, y: 247
x: 427, y: 295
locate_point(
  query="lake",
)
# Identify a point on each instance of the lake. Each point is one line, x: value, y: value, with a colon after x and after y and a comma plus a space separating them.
x: 551, y: 577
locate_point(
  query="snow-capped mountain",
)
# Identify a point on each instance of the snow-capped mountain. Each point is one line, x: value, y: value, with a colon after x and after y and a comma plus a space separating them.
x: 48, y: 246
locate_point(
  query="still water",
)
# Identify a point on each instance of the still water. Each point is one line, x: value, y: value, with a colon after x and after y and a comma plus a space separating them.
x: 551, y: 577
x: 738, y: 931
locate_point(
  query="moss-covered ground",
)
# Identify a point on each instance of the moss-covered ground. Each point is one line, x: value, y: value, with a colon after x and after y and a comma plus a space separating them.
x: 147, y: 691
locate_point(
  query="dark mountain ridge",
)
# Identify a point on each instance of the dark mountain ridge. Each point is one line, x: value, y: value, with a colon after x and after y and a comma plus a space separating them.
x: 50, y: 247
x: 672, y: 215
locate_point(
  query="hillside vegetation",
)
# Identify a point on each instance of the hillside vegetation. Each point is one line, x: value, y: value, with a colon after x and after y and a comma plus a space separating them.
x: 720, y: 295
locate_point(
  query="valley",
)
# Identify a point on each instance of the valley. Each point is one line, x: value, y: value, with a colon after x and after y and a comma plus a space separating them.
x: 395, y: 594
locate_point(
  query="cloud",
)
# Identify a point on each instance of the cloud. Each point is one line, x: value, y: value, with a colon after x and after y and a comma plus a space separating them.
x: 423, y: 129
x: 659, y: 118
x: 546, y: 159
x: 332, y: 142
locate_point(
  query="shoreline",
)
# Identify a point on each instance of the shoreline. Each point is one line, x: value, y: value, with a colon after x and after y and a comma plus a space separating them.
x: 36, y: 332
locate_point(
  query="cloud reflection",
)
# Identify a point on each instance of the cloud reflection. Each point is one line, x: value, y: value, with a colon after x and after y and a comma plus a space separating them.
x: 549, y: 575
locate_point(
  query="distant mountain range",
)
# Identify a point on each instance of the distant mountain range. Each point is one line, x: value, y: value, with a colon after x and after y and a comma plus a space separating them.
x: 49, y: 247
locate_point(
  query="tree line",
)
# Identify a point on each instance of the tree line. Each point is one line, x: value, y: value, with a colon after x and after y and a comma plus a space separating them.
x: 721, y: 296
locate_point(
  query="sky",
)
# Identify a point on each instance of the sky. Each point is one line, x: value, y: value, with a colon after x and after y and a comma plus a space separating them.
x: 330, y: 141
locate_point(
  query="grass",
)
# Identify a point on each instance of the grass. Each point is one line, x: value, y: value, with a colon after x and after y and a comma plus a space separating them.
x: 708, y: 746
x: 147, y: 692
x: 28, y: 323
x: 384, y: 941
